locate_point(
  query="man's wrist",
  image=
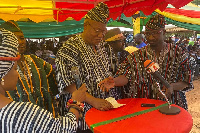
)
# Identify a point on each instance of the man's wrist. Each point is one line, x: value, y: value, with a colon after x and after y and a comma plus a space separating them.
x: 89, y: 99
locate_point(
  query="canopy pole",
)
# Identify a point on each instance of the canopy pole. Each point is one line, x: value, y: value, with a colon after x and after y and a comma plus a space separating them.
x: 136, y: 24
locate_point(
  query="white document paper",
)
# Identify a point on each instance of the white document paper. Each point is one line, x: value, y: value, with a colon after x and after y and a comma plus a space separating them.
x: 114, y: 102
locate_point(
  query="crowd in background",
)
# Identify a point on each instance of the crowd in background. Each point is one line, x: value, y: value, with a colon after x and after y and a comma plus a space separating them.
x: 47, y: 49
x: 83, y: 62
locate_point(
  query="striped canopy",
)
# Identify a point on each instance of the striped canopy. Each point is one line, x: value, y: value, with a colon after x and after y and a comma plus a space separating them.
x: 187, y: 17
x: 60, y: 10
x: 44, y: 14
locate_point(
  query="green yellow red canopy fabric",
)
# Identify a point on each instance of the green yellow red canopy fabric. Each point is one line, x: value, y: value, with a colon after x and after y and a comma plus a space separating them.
x: 50, y: 29
x: 188, y: 14
x: 187, y: 17
x: 40, y: 10
x: 46, y: 12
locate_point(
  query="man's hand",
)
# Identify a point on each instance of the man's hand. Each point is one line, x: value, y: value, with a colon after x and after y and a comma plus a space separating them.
x: 168, y: 92
x: 107, y: 84
x: 102, y: 104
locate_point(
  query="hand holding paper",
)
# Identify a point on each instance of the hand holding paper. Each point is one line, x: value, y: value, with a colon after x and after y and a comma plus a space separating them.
x: 114, y: 102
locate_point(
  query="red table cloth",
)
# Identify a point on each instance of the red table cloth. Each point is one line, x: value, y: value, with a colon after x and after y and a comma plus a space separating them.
x: 149, y: 122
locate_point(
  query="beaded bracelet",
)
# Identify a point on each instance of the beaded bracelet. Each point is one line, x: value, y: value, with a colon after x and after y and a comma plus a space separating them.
x: 79, y: 109
x: 76, y: 105
x: 71, y: 101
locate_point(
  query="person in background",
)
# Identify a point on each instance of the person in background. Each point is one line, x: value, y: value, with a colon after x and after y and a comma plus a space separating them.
x: 191, y: 41
x: 139, y: 40
x: 23, y: 117
x: 115, y: 42
x: 37, y: 83
x: 44, y: 53
x: 176, y: 66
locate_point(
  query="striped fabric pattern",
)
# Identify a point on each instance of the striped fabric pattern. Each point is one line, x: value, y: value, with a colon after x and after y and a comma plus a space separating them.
x: 99, y: 13
x: 93, y: 67
x: 21, y: 117
x: 36, y: 85
x: 115, y: 61
x: 8, y: 48
x: 155, y: 23
x: 175, y: 65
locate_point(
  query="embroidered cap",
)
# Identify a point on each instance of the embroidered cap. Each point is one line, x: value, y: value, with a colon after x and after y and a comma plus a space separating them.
x: 155, y: 23
x: 8, y: 51
x: 99, y: 13
x: 11, y: 25
x: 114, y: 35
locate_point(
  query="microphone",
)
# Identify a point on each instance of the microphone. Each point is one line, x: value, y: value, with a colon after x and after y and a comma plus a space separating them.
x: 152, y: 68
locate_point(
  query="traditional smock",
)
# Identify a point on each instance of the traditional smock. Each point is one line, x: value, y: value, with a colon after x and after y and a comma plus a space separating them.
x: 93, y: 68
x: 115, y: 61
x: 20, y: 117
x: 175, y: 65
x: 36, y: 84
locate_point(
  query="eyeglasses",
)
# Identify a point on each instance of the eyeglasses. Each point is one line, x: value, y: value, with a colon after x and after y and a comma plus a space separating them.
x: 152, y: 32
x: 98, y: 31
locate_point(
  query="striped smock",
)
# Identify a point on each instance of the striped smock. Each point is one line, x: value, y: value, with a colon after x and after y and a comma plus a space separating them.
x: 21, y: 117
x: 175, y: 65
x: 36, y: 84
x: 93, y: 67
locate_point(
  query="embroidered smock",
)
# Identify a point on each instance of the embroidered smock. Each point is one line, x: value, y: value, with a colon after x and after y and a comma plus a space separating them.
x: 36, y: 84
x: 175, y: 65
x: 115, y: 61
x: 93, y: 68
x: 22, y: 117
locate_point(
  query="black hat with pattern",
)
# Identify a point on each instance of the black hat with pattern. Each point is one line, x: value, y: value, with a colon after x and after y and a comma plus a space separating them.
x: 99, y: 13
x: 155, y: 23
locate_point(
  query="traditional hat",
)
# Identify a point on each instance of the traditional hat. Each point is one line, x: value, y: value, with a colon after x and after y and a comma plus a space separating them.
x: 114, y: 35
x: 8, y: 51
x: 155, y: 23
x: 99, y: 13
x: 11, y: 25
